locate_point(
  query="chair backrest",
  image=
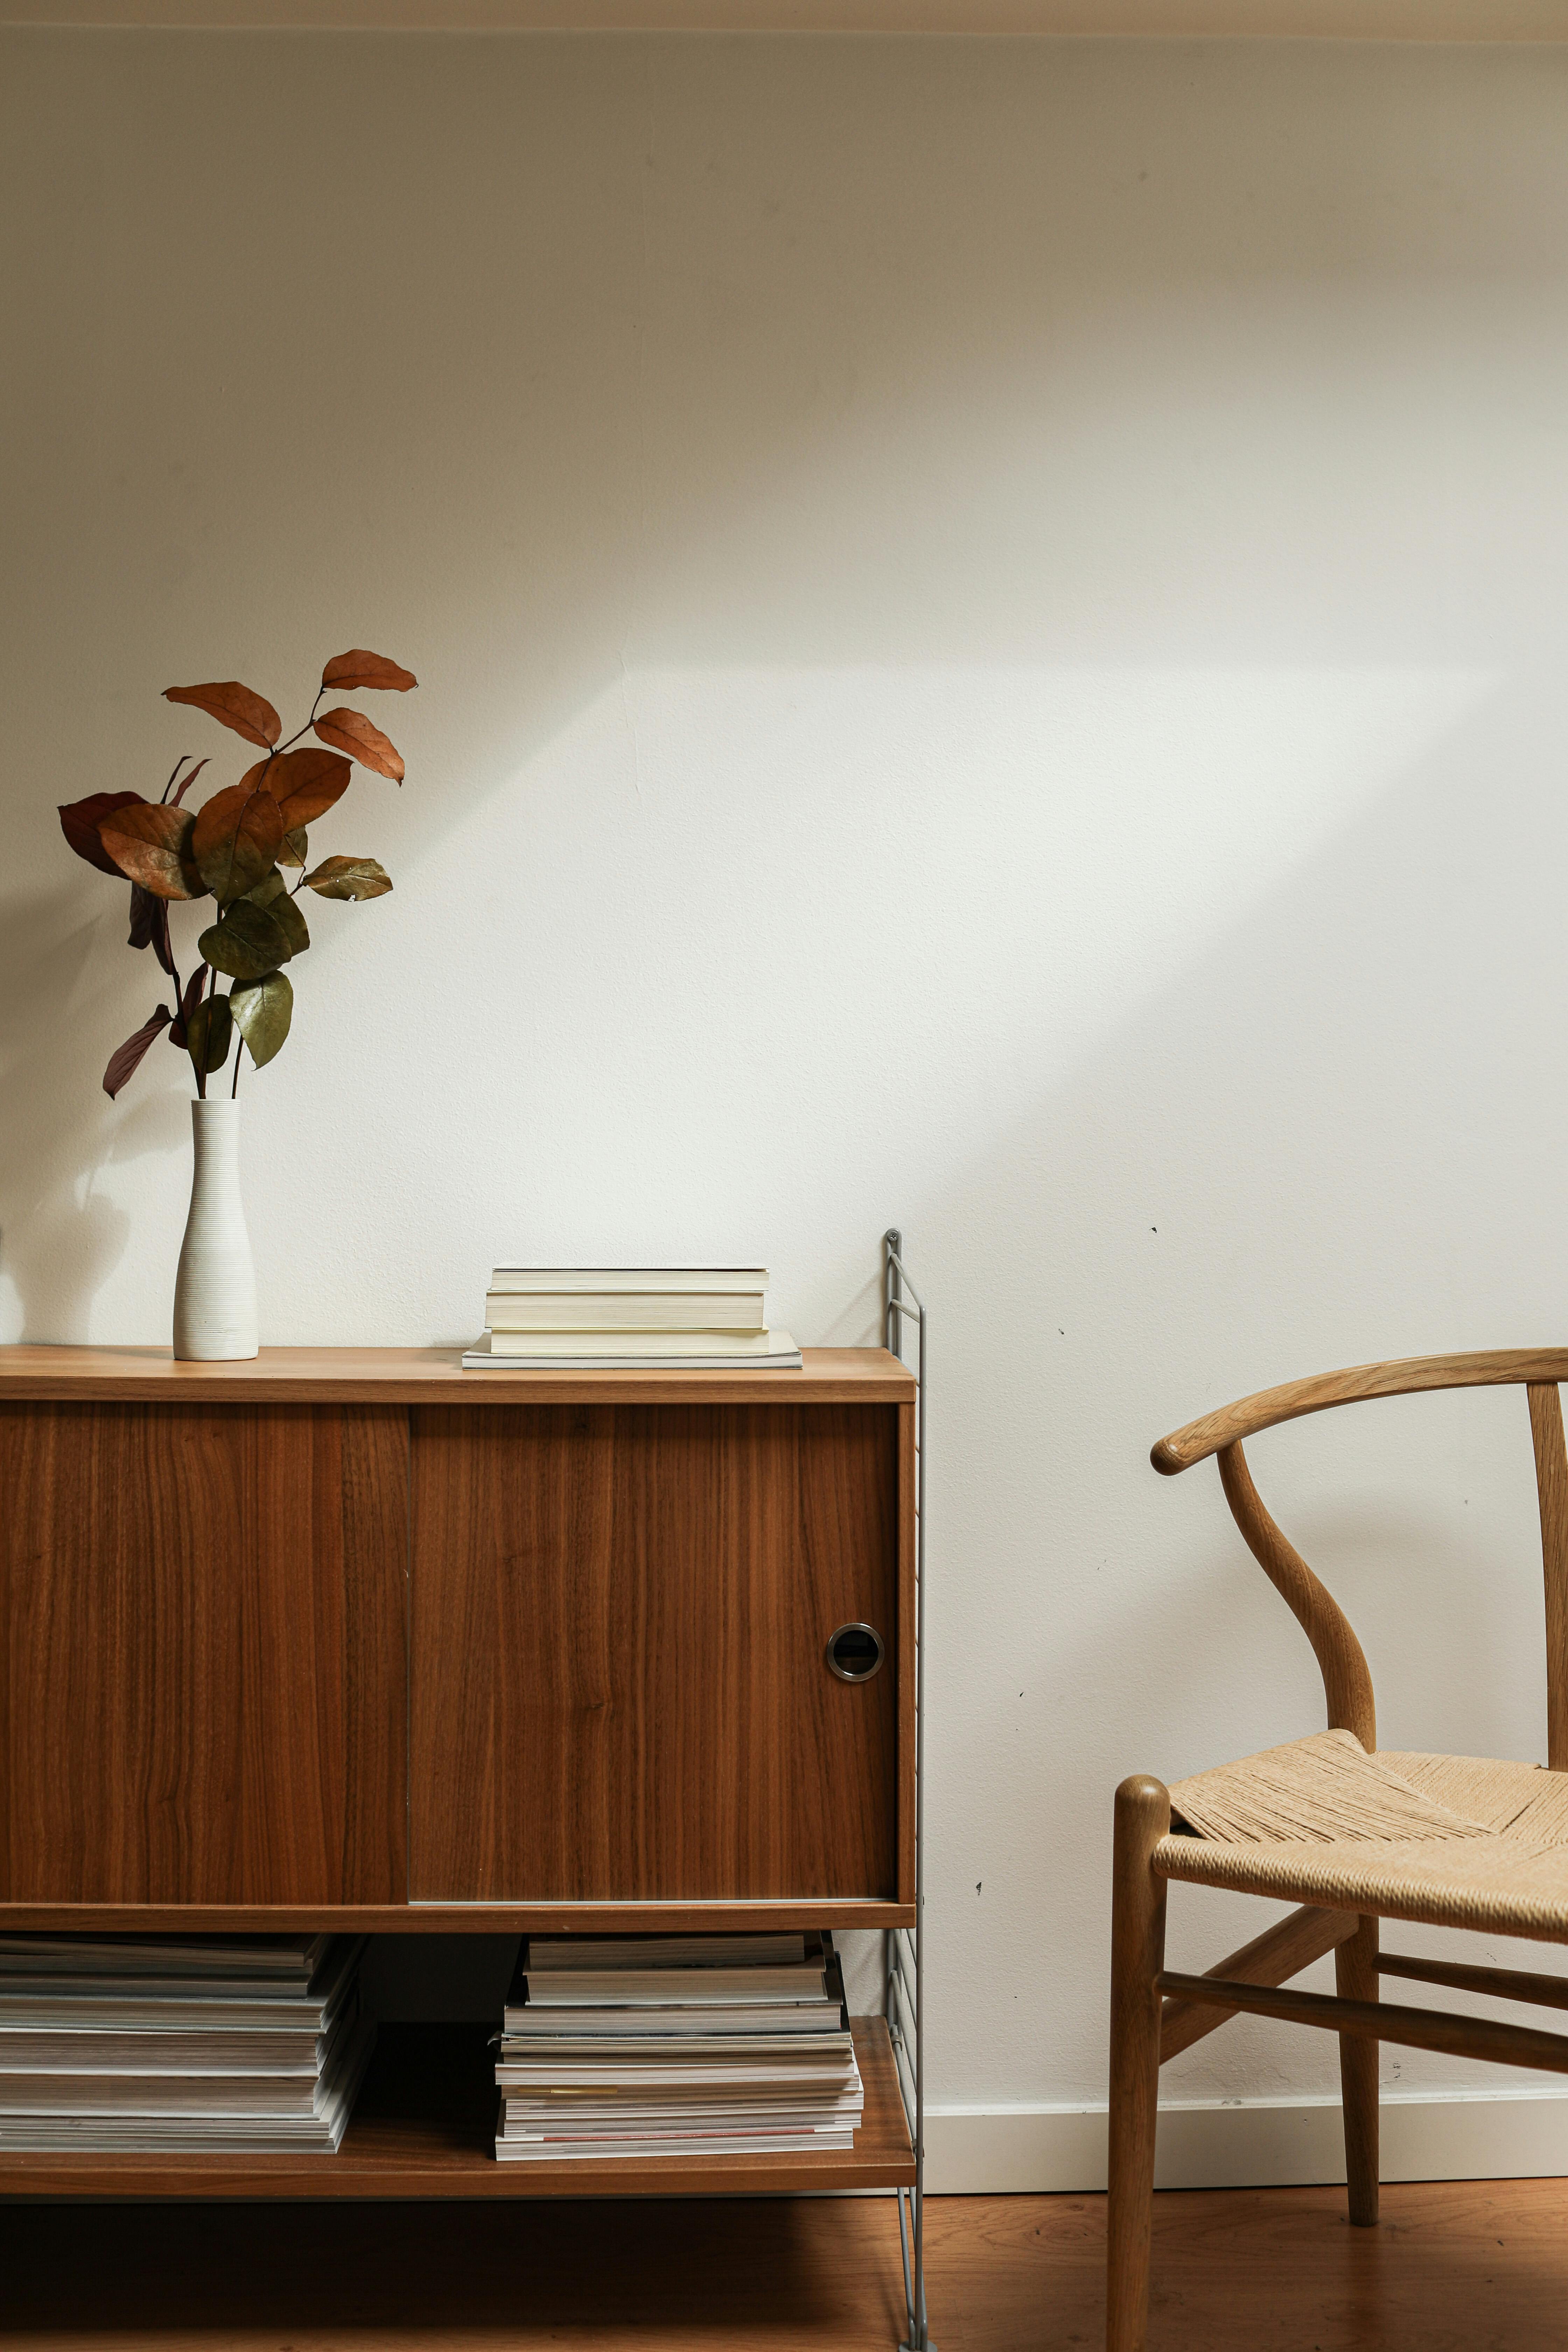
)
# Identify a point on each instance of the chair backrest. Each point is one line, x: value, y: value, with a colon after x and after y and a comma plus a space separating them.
x: 1347, y: 1680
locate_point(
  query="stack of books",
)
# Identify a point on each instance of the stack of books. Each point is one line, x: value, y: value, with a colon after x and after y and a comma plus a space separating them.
x: 618, y: 1318
x: 676, y: 2045
x: 124, y: 2043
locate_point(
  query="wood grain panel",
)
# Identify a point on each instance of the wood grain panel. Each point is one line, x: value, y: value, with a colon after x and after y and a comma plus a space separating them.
x: 619, y: 1684
x: 451, y: 1919
x: 403, y: 1376
x: 205, y: 1687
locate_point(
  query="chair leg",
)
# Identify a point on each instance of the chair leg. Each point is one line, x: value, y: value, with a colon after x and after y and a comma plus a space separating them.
x: 1137, y: 1956
x: 1356, y: 1978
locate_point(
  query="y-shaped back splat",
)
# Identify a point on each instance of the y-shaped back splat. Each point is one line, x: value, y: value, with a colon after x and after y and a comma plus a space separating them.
x: 1347, y: 1679
x: 1552, y: 1489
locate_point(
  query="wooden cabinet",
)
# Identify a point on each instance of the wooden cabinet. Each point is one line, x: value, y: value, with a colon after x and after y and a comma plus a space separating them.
x: 354, y: 1639
x: 344, y: 1636
x: 203, y: 1632
x: 620, y: 1689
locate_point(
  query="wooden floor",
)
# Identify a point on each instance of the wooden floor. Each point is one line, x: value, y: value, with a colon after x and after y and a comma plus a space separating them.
x: 1473, y: 2267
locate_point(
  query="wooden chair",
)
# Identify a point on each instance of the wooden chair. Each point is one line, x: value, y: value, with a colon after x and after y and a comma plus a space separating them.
x: 1352, y: 1836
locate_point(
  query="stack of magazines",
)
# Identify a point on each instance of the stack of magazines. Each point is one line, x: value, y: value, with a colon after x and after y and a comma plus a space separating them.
x: 123, y: 2042
x: 676, y: 2045
x: 629, y: 1317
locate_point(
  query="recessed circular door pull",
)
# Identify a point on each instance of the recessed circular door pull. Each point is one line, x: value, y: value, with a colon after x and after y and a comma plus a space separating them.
x: 855, y: 1652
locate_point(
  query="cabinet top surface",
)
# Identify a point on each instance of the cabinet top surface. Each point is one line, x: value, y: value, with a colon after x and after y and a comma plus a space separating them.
x: 425, y: 1376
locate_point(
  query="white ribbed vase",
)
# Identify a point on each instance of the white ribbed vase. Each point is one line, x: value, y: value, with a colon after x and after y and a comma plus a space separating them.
x: 215, y: 1289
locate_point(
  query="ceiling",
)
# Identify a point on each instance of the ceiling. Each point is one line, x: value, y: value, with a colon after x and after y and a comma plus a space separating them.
x: 1439, y: 20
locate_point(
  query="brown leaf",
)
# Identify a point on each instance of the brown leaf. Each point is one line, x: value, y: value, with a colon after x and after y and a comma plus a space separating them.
x: 350, y: 877
x: 236, y: 838
x: 188, y: 1004
x: 355, y: 671
x: 304, y: 783
x: 153, y: 844
x: 351, y: 732
x: 294, y: 847
x: 189, y: 780
x: 150, y: 926
x: 80, y: 822
x: 126, y: 1059
x: 232, y: 705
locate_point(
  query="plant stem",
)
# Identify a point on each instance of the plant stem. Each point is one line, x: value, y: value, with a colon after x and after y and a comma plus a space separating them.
x: 304, y: 730
x: 200, y: 1073
x: 239, y: 1057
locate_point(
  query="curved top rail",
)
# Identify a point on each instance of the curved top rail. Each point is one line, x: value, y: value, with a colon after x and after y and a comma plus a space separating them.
x: 1496, y: 1367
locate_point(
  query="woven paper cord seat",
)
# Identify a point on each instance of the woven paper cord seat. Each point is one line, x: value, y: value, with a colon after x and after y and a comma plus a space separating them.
x: 1456, y: 1841
x: 1351, y: 1833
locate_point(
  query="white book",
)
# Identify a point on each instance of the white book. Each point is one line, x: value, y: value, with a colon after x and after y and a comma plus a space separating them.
x: 279, y: 1958
x: 546, y: 2072
x: 627, y: 1310
x: 521, y: 2113
x: 182, y: 2004
x: 750, y: 1342
x: 519, y: 1280
x: 605, y: 1952
x: 596, y: 2060
x: 90, y: 2050
x: 613, y: 2024
x: 530, y: 2067
x: 127, y: 2131
x: 667, y: 1987
x: 670, y: 1351
x: 556, y: 2151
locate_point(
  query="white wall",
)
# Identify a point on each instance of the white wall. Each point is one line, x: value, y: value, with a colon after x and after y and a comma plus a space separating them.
x: 990, y: 622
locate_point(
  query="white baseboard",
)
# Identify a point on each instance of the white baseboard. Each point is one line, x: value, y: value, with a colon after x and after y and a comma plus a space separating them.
x: 1252, y: 2144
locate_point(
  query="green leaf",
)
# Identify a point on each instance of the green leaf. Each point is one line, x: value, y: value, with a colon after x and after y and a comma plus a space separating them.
x: 263, y: 1010
x: 350, y: 877
x: 294, y: 846
x: 236, y: 838
x: 249, y: 943
x: 271, y: 886
x: 285, y: 911
x: 209, y: 1033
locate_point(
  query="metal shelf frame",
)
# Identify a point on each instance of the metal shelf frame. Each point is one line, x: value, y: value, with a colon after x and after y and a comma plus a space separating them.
x: 903, y: 1998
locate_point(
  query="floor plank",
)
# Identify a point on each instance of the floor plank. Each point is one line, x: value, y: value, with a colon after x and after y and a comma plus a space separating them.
x: 1454, y: 2267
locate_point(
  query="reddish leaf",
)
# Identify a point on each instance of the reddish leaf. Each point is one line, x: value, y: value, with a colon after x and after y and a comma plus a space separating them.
x: 236, y: 839
x: 354, y: 671
x: 188, y: 1004
x: 303, y: 784
x: 143, y: 908
x: 153, y: 844
x: 351, y: 732
x: 127, y: 1059
x: 150, y: 926
x: 79, y: 820
x: 186, y: 787
x: 232, y: 705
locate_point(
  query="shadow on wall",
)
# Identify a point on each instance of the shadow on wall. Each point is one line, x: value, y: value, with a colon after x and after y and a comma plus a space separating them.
x: 61, y: 1237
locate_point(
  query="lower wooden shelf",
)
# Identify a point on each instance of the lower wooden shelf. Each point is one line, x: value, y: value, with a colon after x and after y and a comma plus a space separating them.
x: 424, y: 2126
